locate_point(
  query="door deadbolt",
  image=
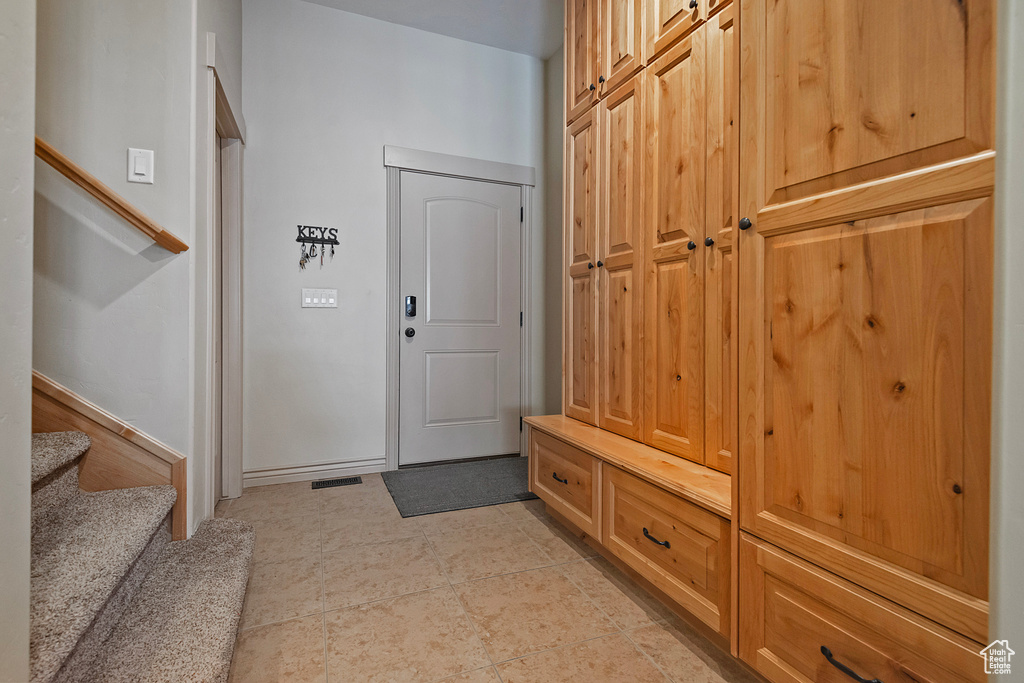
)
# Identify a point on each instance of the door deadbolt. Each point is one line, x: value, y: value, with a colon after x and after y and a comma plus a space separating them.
x: 410, y: 307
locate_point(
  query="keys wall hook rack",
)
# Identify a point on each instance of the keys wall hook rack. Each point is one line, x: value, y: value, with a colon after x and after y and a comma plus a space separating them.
x: 314, y: 235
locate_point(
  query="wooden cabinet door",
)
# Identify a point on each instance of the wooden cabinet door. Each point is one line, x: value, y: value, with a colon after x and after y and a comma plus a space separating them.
x: 674, y: 250
x: 621, y: 42
x: 666, y: 21
x: 580, y: 388
x: 621, y: 268
x: 720, y: 274
x: 865, y: 293
x: 581, y: 56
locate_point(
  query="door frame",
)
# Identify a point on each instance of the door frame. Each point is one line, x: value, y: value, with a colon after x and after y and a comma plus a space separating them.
x: 397, y: 160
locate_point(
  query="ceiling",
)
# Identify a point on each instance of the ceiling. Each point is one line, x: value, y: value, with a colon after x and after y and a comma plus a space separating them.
x: 532, y: 27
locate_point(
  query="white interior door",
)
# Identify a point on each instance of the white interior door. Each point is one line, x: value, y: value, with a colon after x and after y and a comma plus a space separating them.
x: 459, y: 361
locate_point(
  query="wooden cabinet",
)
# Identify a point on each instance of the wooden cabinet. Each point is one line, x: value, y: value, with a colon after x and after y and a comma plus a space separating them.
x: 679, y: 547
x: 622, y: 46
x: 567, y: 479
x: 691, y: 195
x: 581, y: 56
x: 865, y: 293
x: 579, y: 366
x: 666, y: 21
x: 792, y: 609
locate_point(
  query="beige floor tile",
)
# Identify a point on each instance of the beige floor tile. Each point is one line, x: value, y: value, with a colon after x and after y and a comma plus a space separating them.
x: 611, y: 659
x: 527, y: 509
x: 221, y: 509
x: 283, y: 590
x: 488, y: 675
x: 487, y: 551
x: 383, y: 570
x: 628, y: 605
x: 345, y: 527
x: 295, y: 488
x: 418, y: 637
x: 519, y: 614
x: 554, y: 539
x: 273, y: 505
x: 288, y: 651
x: 686, y: 656
x: 457, y: 520
x: 282, y: 539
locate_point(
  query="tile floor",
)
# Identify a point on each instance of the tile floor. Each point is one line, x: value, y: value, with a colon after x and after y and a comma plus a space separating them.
x: 344, y: 589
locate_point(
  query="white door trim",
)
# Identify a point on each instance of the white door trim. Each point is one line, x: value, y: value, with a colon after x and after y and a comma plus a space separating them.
x: 398, y: 159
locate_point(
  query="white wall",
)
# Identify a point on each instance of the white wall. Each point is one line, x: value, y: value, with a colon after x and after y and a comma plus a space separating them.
x: 111, y: 307
x: 554, y: 152
x: 1007, y: 587
x: 324, y: 91
x: 17, y: 83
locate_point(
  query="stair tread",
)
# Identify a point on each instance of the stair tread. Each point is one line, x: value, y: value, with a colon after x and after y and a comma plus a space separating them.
x: 183, y: 621
x: 81, y: 551
x: 53, y: 450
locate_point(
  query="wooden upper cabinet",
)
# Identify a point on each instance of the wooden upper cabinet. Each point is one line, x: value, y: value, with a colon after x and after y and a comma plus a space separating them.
x: 621, y: 266
x: 666, y: 21
x: 674, y: 179
x: 580, y: 385
x: 621, y: 42
x: 720, y: 312
x: 865, y: 290
x: 581, y: 56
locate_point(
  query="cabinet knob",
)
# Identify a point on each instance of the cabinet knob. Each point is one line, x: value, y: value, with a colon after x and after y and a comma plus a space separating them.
x: 708, y: 242
x: 590, y: 266
x: 593, y: 87
x: 693, y: 4
x: 745, y: 224
x: 600, y: 263
x: 600, y: 79
x: 691, y: 245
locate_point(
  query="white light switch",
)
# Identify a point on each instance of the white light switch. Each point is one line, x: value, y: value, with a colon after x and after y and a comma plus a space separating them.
x: 319, y: 298
x: 140, y: 165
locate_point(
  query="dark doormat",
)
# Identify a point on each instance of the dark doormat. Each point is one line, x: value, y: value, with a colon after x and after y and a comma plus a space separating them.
x: 459, y: 486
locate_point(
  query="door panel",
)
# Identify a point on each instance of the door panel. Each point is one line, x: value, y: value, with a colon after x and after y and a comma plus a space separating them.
x: 459, y: 386
x: 674, y: 182
x: 722, y: 92
x: 669, y: 20
x: 581, y: 56
x: 621, y: 270
x: 580, y: 381
x: 621, y: 41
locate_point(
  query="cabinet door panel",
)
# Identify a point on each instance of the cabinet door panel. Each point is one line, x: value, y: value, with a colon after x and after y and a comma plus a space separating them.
x: 621, y: 275
x: 720, y: 268
x: 581, y: 56
x: 669, y: 20
x: 674, y: 217
x: 621, y: 41
x: 580, y: 388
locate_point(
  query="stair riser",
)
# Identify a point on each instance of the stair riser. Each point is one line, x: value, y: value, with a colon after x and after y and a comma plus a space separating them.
x: 55, y: 490
x: 82, y: 661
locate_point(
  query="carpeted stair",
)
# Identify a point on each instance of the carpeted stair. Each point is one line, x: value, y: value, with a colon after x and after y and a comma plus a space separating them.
x: 113, y: 599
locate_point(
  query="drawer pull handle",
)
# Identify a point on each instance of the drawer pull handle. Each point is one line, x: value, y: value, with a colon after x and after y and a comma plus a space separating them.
x: 555, y: 475
x: 845, y: 669
x: 664, y: 544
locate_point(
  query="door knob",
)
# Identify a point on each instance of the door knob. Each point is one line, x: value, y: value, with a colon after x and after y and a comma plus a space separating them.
x: 409, y: 332
x: 708, y: 242
x: 691, y: 245
x: 745, y: 224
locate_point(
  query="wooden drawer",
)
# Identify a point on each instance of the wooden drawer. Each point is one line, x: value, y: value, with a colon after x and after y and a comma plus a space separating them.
x: 679, y: 547
x: 567, y: 479
x: 791, y: 609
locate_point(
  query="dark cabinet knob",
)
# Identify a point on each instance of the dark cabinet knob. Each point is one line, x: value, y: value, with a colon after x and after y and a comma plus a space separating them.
x: 590, y: 266
x: 600, y: 79
x: 600, y: 263
x: 593, y: 87
x: 745, y: 224
x: 691, y: 245
x: 409, y: 332
x: 708, y: 242
x: 693, y: 4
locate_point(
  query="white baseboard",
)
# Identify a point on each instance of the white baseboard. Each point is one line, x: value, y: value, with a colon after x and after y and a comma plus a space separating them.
x: 284, y: 475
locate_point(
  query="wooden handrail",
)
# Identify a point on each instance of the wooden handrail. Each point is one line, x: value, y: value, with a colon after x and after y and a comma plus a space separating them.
x: 114, y: 201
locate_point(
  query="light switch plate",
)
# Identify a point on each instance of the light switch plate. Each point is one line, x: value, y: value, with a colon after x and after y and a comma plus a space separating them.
x: 319, y: 298
x: 140, y: 165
